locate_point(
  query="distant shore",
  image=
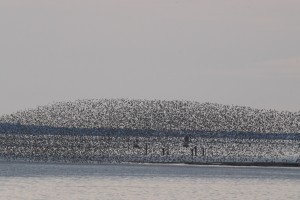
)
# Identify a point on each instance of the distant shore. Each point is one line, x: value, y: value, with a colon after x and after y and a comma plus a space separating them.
x: 260, y: 164
x: 233, y: 164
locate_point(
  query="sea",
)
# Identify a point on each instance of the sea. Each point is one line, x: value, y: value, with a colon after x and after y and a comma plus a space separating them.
x: 38, y: 181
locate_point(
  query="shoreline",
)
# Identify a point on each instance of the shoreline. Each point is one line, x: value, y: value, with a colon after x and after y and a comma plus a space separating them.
x: 254, y: 164
x: 209, y: 164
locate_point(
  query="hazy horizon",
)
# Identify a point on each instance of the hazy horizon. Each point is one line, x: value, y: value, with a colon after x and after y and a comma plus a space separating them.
x: 228, y: 52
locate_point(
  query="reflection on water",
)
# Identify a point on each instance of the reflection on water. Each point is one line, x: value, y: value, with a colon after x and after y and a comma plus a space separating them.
x: 64, y: 181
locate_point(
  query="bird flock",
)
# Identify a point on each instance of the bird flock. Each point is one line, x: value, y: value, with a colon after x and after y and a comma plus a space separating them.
x: 103, y: 149
x: 157, y: 115
x: 122, y: 130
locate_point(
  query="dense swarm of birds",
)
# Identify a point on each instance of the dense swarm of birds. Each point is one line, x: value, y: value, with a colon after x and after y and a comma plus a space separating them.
x: 151, y: 131
x: 99, y: 149
x: 157, y: 115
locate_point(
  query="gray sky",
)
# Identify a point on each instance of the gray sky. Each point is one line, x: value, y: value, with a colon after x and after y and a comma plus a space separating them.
x: 230, y: 52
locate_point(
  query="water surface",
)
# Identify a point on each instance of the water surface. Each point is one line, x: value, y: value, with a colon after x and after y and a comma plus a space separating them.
x: 130, y: 181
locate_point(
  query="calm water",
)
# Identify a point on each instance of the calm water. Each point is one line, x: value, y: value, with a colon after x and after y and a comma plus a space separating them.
x: 68, y: 181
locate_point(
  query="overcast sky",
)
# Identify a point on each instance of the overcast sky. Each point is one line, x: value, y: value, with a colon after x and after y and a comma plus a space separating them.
x: 223, y: 51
